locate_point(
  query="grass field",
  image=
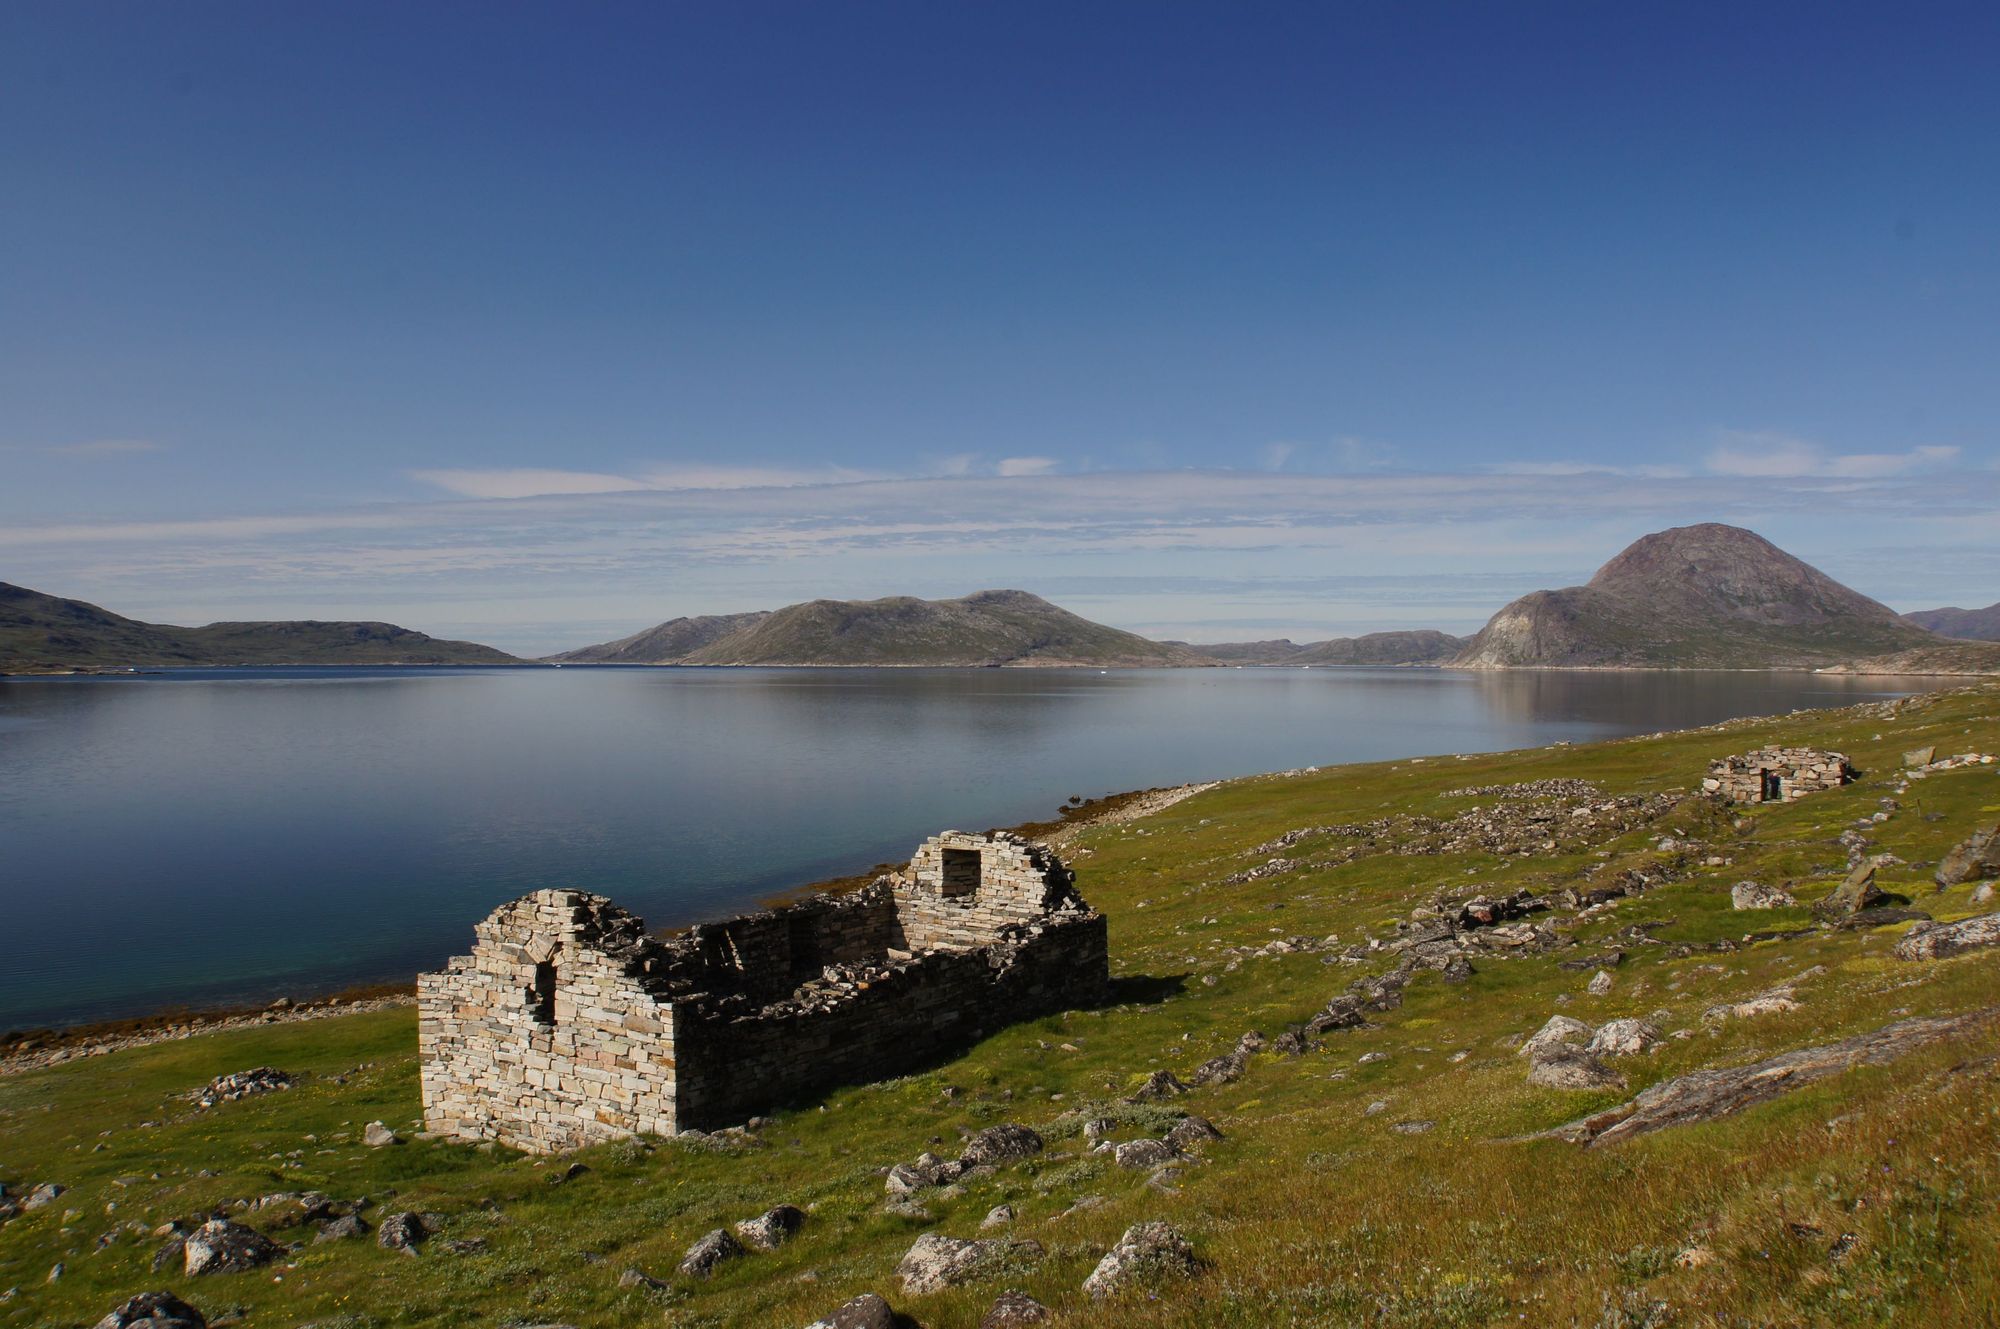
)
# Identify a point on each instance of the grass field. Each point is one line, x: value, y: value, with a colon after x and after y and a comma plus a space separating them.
x: 1868, y: 1199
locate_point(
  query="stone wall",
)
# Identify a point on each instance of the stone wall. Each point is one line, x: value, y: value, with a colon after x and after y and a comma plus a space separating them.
x: 568, y: 1023
x: 1778, y: 775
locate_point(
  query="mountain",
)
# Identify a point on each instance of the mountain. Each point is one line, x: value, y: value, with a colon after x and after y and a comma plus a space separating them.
x: 1708, y: 596
x: 47, y: 634
x: 1963, y: 624
x: 1422, y: 646
x: 987, y: 628
x: 668, y: 643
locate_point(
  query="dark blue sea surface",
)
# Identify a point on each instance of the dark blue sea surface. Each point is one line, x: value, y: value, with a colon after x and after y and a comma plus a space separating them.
x: 202, y: 837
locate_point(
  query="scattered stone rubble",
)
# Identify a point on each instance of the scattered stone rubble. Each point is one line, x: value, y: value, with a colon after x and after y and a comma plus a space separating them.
x: 569, y: 1023
x: 1776, y: 775
x: 1518, y: 826
x: 242, y: 1084
x: 1752, y: 895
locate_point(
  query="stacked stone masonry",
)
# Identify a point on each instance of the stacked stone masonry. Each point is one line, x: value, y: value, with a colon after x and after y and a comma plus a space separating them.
x: 1776, y: 775
x: 569, y: 1023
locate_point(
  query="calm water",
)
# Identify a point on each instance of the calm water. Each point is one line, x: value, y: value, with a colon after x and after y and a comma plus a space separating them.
x: 218, y: 835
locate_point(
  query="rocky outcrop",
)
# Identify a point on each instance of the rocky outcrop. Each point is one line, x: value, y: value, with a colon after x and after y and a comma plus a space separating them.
x: 709, y: 1251
x: 1147, y: 1252
x: 1711, y: 1094
x: 1856, y: 893
x: 1938, y: 941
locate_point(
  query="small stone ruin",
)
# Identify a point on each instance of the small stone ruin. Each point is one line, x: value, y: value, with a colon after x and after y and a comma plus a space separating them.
x: 570, y: 1023
x: 1776, y: 775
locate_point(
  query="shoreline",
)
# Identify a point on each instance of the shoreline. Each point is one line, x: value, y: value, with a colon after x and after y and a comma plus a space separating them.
x: 31, y: 1049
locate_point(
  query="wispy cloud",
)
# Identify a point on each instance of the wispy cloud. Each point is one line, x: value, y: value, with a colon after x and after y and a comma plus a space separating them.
x: 1565, y: 468
x: 1014, y: 466
x: 1769, y: 455
x: 535, y: 482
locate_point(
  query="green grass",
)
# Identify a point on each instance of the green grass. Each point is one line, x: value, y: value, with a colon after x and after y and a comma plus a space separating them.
x: 1310, y: 1213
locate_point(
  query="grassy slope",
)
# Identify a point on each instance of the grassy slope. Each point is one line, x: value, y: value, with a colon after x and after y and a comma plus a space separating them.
x: 1311, y: 1212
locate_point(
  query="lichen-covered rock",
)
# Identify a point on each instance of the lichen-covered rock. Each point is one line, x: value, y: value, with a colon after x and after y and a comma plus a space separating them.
x: 46, y: 1193
x: 1937, y: 941
x: 1568, y: 1067
x: 1000, y: 1144
x: 937, y: 1261
x: 1600, y: 983
x: 1012, y: 1308
x: 1147, y: 1251
x: 1191, y: 1133
x: 1560, y: 1031
x: 866, y: 1311
x: 1143, y: 1153
x: 1623, y: 1038
x: 376, y: 1135
x: 1755, y: 895
x: 1973, y: 859
x: 710, y: 1250
x: 1158, y: 1085
x: 772, y: 1228
x: 405, y: 1231
x: 223, y: 1247
x: 342, y: 1228
x: 154, y: 1310
x: 1000, y: 1215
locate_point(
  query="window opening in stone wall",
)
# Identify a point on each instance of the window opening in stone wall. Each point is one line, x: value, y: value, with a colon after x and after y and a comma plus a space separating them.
x: 544, y: 993
x: 1774, y: 787
x: 960, y: 875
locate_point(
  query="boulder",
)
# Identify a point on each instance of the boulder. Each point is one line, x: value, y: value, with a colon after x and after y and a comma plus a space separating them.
x: 223, y: 1247
x: 1856, y: 893
x: 339, y: 1229
x: 1191, y: 1133
x: 1974, y: 859
x: 866, y: 1311
x: 1923, y: 756
x: 1000, y: 1215
x: 1983, y: 893
x: 375, y: 1135
x: 772, y: 1228
x: 1012, y: 1308
x: 1623, y: 1038
x: 1147, y: 1251
x: 1937, y: 941
x: 1158, y: 1085
x: 154, y: 1310
x: 1004, y: 1143
x: 406, y: 1231
x: 709, y: 1251
x: 1573, y: 1068
x: 1143, y: 1153
x: 1600, y: 983
x: 46, y: 1193
x: 1755, y: 895
x: 937, y: 1261
x: 1560, y: 1031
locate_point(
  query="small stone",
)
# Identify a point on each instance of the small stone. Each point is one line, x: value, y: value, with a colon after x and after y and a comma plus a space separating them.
x: 636, y: 1277
x: 1412, y: 1127
x: 46, y: 1193
x: 1371, y: 1058
x: 1000, y: 1215
x: 1600, y: 983
x: 712, y: 1249
x: 403, y: 1232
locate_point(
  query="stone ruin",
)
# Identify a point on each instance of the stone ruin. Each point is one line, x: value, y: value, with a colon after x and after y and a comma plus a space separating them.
x: 569, y: 1023
x: 1776, y: 775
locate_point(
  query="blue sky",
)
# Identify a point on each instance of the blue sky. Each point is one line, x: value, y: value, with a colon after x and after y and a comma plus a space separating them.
x: 540, y: 323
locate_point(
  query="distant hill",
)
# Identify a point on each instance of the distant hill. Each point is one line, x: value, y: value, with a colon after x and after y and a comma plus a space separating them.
x: 987, y: 628
x: 47, y: 634
x: 1708, y: 596
x: 669, y: 643
x: 1422, y: 646
x: 1963, y: 624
